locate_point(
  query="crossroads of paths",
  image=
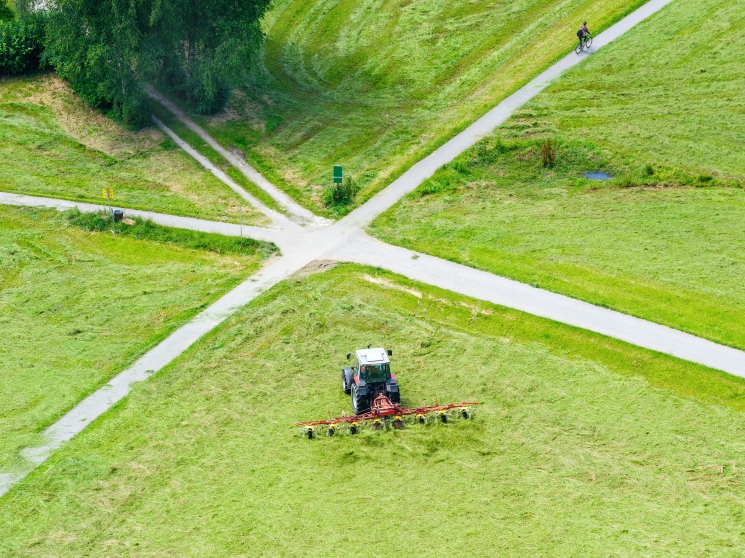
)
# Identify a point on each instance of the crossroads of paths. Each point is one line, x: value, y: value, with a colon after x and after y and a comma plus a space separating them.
x: 303, y: 237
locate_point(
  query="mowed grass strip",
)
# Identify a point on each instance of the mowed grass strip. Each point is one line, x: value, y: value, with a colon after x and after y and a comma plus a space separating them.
x: 664, y: 239
x: 582, y: 445
x: 377, y: 85
x: 52, y: 144
x: 78, y: 307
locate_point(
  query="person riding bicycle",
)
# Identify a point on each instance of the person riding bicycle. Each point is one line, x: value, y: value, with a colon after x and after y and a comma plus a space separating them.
x: 583, y: 33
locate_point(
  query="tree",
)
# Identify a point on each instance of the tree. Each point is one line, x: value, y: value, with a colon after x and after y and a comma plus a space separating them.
x: 209, y: 44
x: 105, y: 49
x: 111, y: 49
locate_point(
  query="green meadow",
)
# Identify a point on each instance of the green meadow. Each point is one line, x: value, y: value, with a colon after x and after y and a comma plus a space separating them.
x: 661, y: 110
x: 375, y: 85
x: 582, y: 445
x: 52, y: 144
x: 77, y: 307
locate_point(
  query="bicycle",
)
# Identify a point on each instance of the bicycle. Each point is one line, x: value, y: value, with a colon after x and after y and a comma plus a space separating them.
x: 584, y: 42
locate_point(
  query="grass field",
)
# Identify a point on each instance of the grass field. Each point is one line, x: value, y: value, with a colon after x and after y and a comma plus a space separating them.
x: 52, y: 144
x: 663, y: 240
x: 376, y: 85
x: 77, y: 307
x: 583, y: 445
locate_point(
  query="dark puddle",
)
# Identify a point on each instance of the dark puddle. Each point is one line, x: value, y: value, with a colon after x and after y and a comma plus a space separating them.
x: 597, y: 176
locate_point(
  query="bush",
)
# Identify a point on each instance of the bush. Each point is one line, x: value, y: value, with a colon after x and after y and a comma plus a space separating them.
x: 341, y: 194
x: 21, y: 45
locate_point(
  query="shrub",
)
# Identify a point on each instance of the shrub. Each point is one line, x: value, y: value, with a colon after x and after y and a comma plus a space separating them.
x: 341, y: 194
x: 649, y: 170
x: 548, y: 152
x: 21, y: 44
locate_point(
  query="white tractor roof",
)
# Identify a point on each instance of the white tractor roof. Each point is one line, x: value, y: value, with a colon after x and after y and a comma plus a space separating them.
x: 372, y: 356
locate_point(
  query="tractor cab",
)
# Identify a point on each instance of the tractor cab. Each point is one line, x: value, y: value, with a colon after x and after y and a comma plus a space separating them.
x: 369, y: 376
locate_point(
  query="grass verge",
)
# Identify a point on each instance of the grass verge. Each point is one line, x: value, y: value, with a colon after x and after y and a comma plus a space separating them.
x: 77, y: 307
x: 663, y: 240
x: 52, y: 144
x: 583, y: 445
x: 142, y: 229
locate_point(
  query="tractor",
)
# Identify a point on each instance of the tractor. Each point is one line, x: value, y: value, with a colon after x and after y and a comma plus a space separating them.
x: 368, y: 377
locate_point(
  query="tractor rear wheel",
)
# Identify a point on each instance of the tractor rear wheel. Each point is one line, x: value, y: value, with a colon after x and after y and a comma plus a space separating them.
x: 360, y: 404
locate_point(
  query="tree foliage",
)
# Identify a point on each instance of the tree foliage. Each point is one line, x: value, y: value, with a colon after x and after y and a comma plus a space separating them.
x: 208, y: 43
x: 6, y: 13
x: 111, y: 49
x: 21, y: 44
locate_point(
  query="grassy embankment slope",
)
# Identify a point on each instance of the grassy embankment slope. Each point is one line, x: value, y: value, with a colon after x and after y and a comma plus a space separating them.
x: 78, y: 307
x: 375, y: 86
x: 52, y: 144
x: 663, y: 110
x: 583, y: 445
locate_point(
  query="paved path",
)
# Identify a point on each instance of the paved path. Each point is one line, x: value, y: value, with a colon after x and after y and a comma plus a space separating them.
x: 345, y: 241
x: 280, y: 237
x: 512, y: 294
x: 295, y: 210
x: 275, y: 217
x: 421, y: 171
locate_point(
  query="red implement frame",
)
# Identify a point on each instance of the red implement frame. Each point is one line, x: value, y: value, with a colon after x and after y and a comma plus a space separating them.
x: 383, y: 410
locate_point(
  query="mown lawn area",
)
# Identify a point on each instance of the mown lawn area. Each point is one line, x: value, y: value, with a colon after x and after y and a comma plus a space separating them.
x: 52, y: 144
x: 582, y: 445
x: 663, y: 111
x: 377, y: 85
x: 77, y: 307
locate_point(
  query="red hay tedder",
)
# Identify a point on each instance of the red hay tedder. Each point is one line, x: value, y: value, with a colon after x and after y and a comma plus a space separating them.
x: 376, y: 400
x: 384, y: 414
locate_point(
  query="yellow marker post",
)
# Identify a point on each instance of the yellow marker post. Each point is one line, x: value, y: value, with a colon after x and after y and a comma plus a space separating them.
x: 108, y: 194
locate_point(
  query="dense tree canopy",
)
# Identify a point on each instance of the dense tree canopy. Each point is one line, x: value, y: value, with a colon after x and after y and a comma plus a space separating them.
x: 207, y: 43
x: 6, y: 14
x: 110, y: 49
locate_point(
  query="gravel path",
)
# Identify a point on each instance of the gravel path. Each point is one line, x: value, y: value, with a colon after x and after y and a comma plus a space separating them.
x: 345, y: 241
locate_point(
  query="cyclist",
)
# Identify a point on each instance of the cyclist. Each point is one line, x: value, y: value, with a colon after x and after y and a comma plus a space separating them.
x: 583, y: 33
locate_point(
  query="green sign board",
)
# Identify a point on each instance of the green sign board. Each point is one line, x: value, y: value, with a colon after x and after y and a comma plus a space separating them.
x: 337, y: 174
